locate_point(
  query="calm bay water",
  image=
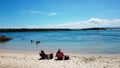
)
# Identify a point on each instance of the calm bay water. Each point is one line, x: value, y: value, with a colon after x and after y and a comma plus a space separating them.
x: 90, y: 41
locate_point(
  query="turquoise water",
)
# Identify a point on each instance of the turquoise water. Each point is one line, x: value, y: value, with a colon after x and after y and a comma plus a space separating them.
x: 90, y: 41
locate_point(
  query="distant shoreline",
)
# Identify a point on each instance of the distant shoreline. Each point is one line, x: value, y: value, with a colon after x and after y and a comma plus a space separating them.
x: 30, y: 30
x: 46, y: 29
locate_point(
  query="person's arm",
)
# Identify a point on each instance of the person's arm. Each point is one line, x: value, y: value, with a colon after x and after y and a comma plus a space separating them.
x: 56, y: 55
x: 62, y: 53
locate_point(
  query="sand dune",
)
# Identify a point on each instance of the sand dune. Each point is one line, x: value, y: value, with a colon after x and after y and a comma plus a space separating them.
x: 12, y: 59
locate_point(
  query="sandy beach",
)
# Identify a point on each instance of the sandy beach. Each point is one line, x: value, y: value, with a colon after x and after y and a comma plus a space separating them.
x: 16, y: 59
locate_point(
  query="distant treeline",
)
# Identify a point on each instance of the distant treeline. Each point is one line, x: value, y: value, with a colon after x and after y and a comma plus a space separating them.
x: 46, y: 29
x: 94, y: 29
x: 29, y: 30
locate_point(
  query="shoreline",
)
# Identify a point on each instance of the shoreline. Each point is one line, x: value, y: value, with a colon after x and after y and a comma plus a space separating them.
x: 71, y: 53
x: 21, y: 59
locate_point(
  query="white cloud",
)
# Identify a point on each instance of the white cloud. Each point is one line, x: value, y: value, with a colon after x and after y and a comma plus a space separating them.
x: 93, y: 22
x: 32, y: 12
x: 35, y: 12
x: 90, y: 23
x: 52, y: 14
x: 40, y: 12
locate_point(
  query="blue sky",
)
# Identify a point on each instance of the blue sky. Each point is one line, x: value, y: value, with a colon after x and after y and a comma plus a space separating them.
x: 59, y: 13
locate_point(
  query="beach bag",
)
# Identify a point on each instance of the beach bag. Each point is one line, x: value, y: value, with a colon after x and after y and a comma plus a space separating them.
x: 51, y: 56
x: 66, y: 57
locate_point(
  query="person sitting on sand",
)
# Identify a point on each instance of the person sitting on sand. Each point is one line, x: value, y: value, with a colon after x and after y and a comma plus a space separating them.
x: 45, y: 56
x: 59, y: 55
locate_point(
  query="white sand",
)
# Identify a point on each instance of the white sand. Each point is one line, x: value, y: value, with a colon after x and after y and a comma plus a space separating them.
x: 12, y: 59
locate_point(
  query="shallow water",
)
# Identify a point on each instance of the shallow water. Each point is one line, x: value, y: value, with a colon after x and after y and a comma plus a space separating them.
x: 90, y: 41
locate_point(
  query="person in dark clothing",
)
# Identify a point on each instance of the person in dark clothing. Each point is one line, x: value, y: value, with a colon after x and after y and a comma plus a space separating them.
x: 43, y: 55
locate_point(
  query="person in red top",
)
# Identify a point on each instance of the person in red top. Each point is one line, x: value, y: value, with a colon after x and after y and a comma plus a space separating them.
x: 59, y: 55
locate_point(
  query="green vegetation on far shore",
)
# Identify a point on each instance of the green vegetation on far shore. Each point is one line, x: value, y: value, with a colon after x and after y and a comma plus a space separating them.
x: 46, y: 29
